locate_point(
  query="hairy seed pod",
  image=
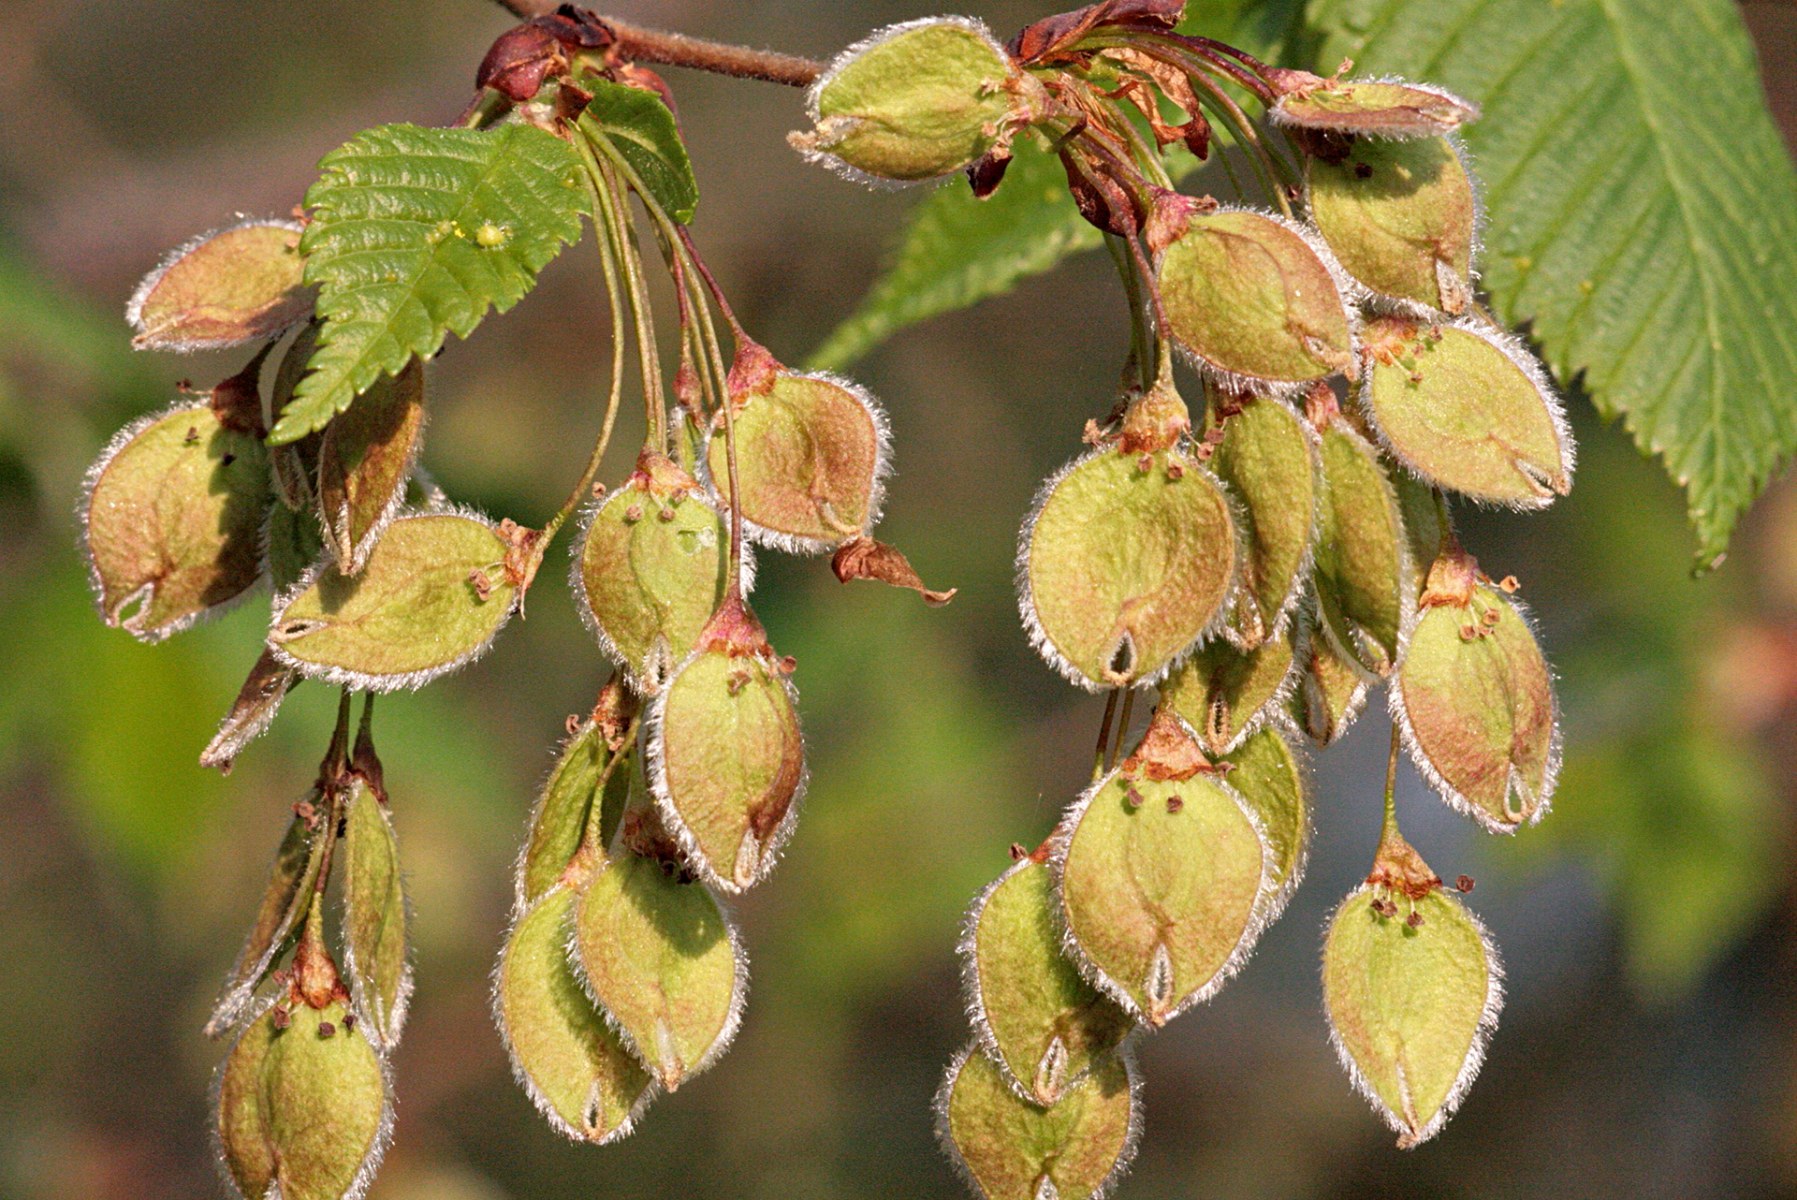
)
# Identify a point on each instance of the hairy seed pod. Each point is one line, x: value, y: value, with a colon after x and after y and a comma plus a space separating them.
x: 1412, y: 987
x: 374, y: 919
x: 726, y: 760
x: 1164, y: 878
x: 301, y: 1108
x: 1402, y: 218
x: 292, y: 543
x: 568, y: 1060
x: 364, y: 459
x: 915, y: 101
x: 1363, y: 573
x: 172, y: 520
x: 1475, y: 701
x: 223, y: 289
x: 1254, y: 299
x: 1224, y: 694
x: 283, y: 906
x: 812, y: 452
x: 662, y: 960
x: 1010, y: 1149
x: 566, y: 803
x: 1332, y: 687
x: 435, y: 593
x: 258, y: 700
x: 646, y: 583
x: 1268, y: 459
x: 1128, y: 557
x: 1379, y: 108
x: 1267, y: 773
x: 1467, y: 409
x: 1042, y: 1025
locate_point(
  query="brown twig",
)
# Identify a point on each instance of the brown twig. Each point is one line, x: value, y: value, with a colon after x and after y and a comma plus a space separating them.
x: 637, y: 44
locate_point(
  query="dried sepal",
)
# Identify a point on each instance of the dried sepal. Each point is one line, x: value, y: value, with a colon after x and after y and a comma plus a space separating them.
x: 254, y: 709
x: 1010, y: 1149
x: 1402, y: 218
x: 565, y: 805
x: 364, y: 458
x: 1165, y: 876
x: 1379, y: 108
x: 650, y: 569
x: 661, y: 958
x: 224, y: 288
x: 1412, y: 987
x: 1363, y: 570
x: 1268, y: 774
x: 1224, y: 694
x: 864, y: 558
x: 301, y: 1106
x: 726, y: 760
x: 1040, y: 1022
x: 1269, y: 460
x: 285, y: 900
x: 569, y: 1062
x: 375, y: 961
x: 1468, y: 409
x: 1127, y: 559
x: 812, y: 455
x: 436, y: 591
x: 172, y: 518
x: 915, y: 101
x: 1253, y: 299
x: 1475, y: 700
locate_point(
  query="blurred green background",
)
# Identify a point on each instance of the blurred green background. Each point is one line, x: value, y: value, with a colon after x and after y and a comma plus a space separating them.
x: 1649, y: 1047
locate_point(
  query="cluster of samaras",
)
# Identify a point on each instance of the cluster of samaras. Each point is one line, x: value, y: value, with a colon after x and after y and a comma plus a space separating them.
x: 1262, y: 569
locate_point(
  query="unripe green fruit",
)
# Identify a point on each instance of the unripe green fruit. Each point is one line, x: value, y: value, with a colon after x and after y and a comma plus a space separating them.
x: 1401, y: 218
x: 223, y: 289
x: 1383, y: 108
x: 916, y: 101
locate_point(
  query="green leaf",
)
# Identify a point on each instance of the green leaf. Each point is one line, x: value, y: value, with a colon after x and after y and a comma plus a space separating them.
x: 640, y: 128
x: 957, y: 251
x: 416, y: 233
x: 1643, y: 212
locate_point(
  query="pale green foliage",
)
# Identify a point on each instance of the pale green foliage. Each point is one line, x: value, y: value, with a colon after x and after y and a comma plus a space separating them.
x: 1266, y: 772
x: 563, y: 808
x: 1410, y: 1005
x: 1363, y: 566
x: 415, y: 234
